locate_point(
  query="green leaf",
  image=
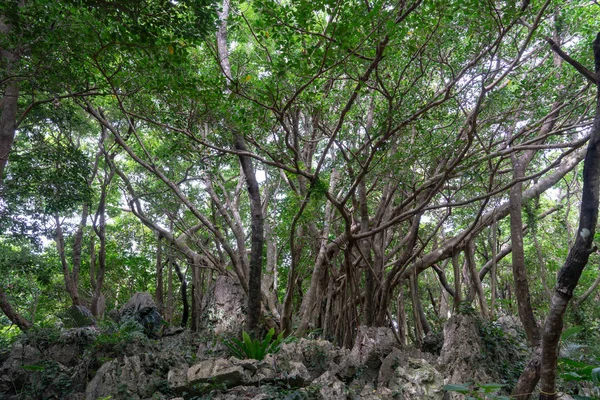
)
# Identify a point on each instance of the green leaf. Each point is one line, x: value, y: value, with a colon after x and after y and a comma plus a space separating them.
x: 491, y: 387
x: 572, y: 331
x: 596, y: 376
x: 33, y: 368
x: 457, y: 387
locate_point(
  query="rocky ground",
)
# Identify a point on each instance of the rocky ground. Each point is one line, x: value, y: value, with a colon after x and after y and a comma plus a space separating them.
x: 135, y: 360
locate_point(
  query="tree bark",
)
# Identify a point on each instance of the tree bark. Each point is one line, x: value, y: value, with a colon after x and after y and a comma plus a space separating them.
x: 578, y: 256
x: 8, y: 123
x: 159, y: 296
x: 183, y: 291
x: 257, y: 238
x: 475, y: 281
x: 518, y: 254
x: 11, y: 314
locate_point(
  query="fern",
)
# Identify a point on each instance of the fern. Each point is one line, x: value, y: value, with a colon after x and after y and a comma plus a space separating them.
x: 254, y: 349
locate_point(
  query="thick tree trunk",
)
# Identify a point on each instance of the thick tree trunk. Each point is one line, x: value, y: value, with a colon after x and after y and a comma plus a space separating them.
x: 569, y: 274
x: 11, y: 314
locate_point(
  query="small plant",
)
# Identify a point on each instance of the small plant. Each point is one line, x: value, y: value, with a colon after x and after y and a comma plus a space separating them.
x: 488, y: 391
x: 254, y: 349
x: 114, y: 338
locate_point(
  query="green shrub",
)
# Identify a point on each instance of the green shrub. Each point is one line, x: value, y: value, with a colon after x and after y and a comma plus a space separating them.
x: 254, y: 349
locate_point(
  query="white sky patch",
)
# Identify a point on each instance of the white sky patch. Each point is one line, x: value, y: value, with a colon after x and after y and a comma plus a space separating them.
x: 261, y: 175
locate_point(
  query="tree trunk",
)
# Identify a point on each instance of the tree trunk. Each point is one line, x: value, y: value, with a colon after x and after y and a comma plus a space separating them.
x: 11, y: 314
x: 257, y: 239
x: 414, y: 295
x: 183, y: 291
x: 401, y: 316
x: 457, y: 285
x: 159, y: 296
x: 475, y: 281
x: 518, y: 254
x: 578, y: 256
x: 98, y: 302
x: 8, y: 123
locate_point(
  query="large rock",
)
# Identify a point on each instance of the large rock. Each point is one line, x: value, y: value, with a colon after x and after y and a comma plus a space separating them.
x: 318, y: 356
x: 418, y: 380
x: 224, y: 309
x: 330, y: 387
x: 140, y: 376
x: 460, y: 354
x: 80, y: 316
x: 218, y: 371
x: 142, y: 309
x: 12, y: 375
x: 127, y: 378
x: 361, y: 365
x: 372, y: 345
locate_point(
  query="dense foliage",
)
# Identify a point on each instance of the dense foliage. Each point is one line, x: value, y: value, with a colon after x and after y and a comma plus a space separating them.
x: 394, y: 145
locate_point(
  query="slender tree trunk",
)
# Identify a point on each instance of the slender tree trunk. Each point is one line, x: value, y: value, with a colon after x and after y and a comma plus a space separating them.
x: 70, y: 276
x: 169, y: 308
x: 159, y: 296
x: 183, y: 291
x: 11, y: 314
x: 494, y: 272
x: 475, y: 281
x: 414, y: 294
x: 98, y: 301
x: 401, y: 316
x: 8, y: 123
x: 578, y: 256
x: 457, y: 283
x: 518, y: 254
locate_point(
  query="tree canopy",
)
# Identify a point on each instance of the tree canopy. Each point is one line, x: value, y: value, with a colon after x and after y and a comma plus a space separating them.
x: 380, y: 163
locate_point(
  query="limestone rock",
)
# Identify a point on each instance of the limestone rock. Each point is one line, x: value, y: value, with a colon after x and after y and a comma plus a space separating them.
x: 419, y: 380
x: 218, y: 371
x: 330, y: 387
x: 510, y: 324
x: 142, y: 309
x: 79, y: 317
x: 318, y: 356
x: 224, y: 309
x: 177, y: 378
x: 12, y: 375
x: 460, y: 353
x: 372, y: 345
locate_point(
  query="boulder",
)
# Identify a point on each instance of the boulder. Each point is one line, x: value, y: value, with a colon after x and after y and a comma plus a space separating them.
x: 140, y: 376
x: 460, y: 354
x: 142, y: 309
x: 224, y: 308
x: 372, y: 345
x: 218, y: 371
x: 79, y: 317
x: 12, y: 375
x: 330, y: 387
x: 418, y: 380
x: 510, y: 325
x: 318, y: 356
